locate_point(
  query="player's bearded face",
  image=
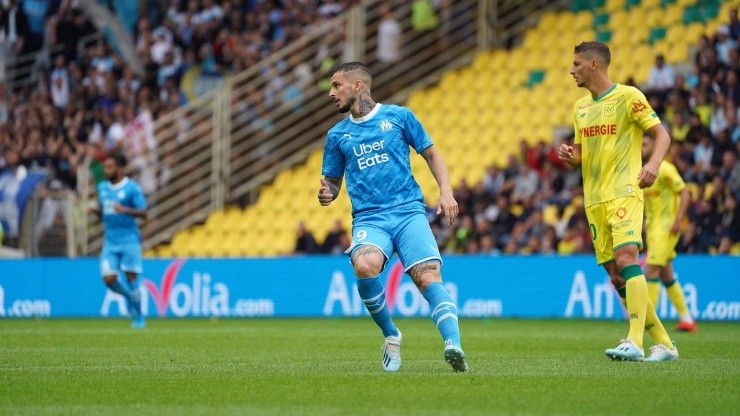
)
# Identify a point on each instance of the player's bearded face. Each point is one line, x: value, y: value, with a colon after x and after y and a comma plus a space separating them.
x: 341, y: 93
x: 346, y: 104
x: 110, y: 169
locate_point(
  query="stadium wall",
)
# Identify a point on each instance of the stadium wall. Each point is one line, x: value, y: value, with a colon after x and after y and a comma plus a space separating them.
x: 484, y: 287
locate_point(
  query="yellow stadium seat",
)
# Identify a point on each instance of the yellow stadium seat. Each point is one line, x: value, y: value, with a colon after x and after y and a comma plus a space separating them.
x: 713, y: 26
x: 565, y: 21
x: 649, y: 4
x: 672, y: 16
x: 660, y: 47
x: 677, y: 53
x: 655, y: 17
x: 548, y: 21
x: 612, y: 6
x: 165, y: 252
x: 693, y: 32
x: 583, y: 20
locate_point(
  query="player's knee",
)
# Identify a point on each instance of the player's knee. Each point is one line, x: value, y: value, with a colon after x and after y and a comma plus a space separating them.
x: 626, y: 256
x: 426, y: 273
x: 368, y: 266
x: 617, y: 280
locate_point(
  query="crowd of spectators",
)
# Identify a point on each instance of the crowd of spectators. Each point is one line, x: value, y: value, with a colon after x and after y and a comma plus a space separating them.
x: 79, y: 109
x: 77, y: 113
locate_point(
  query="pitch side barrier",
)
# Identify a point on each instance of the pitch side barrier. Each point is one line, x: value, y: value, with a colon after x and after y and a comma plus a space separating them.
x: 324, y: 286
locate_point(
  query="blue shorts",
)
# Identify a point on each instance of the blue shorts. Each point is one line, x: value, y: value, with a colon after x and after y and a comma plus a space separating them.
x: 404, y: 232
x: 117, y: 258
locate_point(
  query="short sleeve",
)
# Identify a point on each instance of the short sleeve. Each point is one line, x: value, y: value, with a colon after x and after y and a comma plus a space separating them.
x: 576, y: 130
x: 674, y: 179
x: 639, y: 110
x: 333, y: 163
x: 138, y: 200
x: 414, y: 132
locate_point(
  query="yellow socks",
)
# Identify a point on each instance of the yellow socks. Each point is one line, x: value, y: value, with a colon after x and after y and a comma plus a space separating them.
x: 655, y: 328
x: 675, y: 294
x: 653, y: 288
x: 637, y: 302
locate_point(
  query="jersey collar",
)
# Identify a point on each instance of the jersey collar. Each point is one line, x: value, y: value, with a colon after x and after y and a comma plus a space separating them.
x: 597, y: 99
x: 367, y: 117
x: 119, y: 185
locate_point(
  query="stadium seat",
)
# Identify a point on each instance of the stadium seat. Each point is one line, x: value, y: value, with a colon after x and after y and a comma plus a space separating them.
x: 581, y: 5
x: 652, y: 4
x: 671, y: 16
x: 656, y: 34
x: 612, y: 6
x: 604, y: 36
x: 630, y: 4
x: 708, y: 10
x: 692, y: 14
x: 618, y: 20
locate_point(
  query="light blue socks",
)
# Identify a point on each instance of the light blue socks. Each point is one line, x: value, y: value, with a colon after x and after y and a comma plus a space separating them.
x: 372, y: 294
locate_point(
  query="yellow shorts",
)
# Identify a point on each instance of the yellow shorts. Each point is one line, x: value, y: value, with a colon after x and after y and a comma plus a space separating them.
x: 614, y: 224
x: 661, y: 247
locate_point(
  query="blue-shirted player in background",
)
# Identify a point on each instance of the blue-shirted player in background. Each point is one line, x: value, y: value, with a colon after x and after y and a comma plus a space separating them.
x: 371, y: 149
x: 120, y: 202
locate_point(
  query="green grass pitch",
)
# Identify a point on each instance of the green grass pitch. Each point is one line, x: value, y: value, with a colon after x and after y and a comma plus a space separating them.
x: 332, y: 367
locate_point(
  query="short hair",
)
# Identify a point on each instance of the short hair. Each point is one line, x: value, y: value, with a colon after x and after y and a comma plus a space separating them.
x: 600, y: 49
x: 352, y: 67
x: 119, y: 159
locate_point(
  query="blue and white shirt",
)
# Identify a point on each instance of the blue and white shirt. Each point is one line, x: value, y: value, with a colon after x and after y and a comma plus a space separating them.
x: 372, y: 153
x: 120, y: 228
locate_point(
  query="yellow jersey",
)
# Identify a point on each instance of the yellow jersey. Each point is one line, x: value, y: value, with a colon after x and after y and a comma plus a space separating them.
x: 662, y: 198
x: 609, y: 130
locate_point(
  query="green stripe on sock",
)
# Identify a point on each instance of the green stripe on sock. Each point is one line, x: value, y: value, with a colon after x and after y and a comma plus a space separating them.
x: 671, y: 283
x: 654, y: 280
x: 631, y: 271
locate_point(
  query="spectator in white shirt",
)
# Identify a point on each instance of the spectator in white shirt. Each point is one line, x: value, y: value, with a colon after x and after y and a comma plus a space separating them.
x: 389, y: 37
x: 662, y: 77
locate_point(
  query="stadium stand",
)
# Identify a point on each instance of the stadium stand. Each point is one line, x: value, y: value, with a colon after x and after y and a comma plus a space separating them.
x: 495, y: 120
x: 511, y: 105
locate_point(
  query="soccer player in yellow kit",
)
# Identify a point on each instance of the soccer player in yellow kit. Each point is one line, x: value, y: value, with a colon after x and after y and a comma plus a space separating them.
x: 609, y: 123
x: 666, y: 203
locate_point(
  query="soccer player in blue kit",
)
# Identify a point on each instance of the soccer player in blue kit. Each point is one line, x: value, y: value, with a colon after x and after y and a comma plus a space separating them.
x: 371, y: 149
x: 120, y: 202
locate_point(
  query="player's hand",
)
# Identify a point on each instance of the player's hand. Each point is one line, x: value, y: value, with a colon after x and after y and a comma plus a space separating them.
x: 120, y: 209
x: 325, y: 196
x: 93, y: 209
x: 647, y: 175
x: 448, y: 205
x: 565, y: 152
x: 676, y: 227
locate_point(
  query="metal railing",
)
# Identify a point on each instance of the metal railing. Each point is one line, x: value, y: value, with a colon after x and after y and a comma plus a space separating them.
x: 223, y: 147
x: 32, y: 68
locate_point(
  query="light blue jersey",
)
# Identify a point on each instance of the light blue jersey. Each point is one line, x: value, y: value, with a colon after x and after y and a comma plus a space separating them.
x: 120, y: 229
x: 372, y: 153
x: 388, y: 209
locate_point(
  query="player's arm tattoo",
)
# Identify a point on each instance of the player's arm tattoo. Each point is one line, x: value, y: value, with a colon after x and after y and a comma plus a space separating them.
x: 335, y: 184
x: 365, y: 250
x: 366, y: 103
x: 421, y: 268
